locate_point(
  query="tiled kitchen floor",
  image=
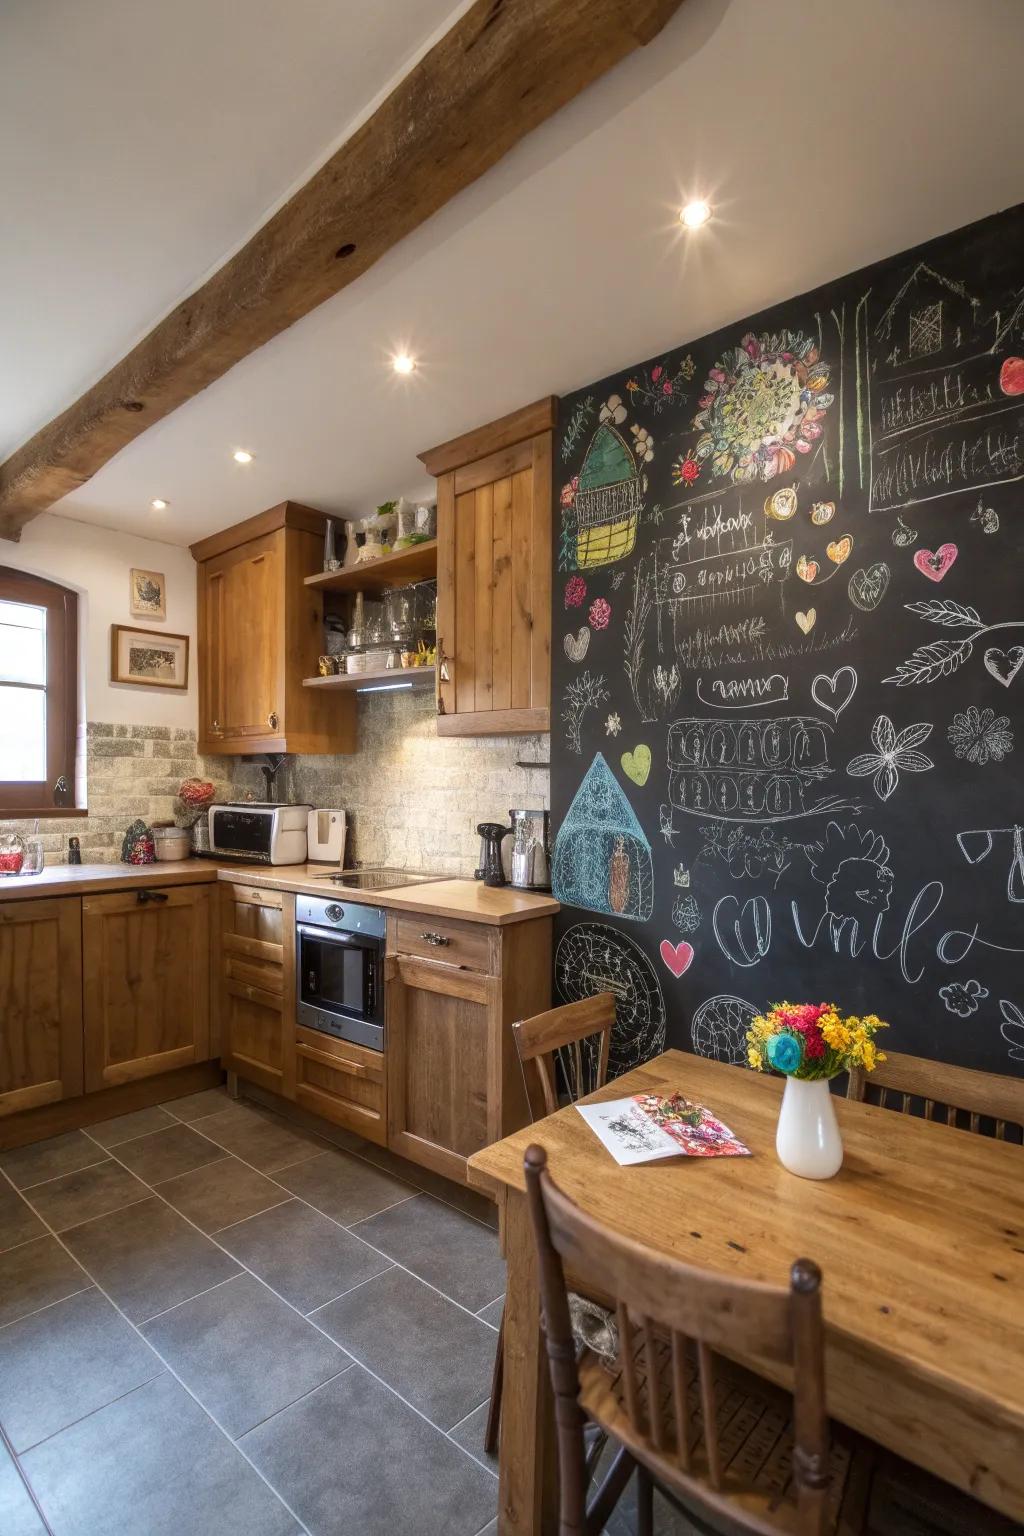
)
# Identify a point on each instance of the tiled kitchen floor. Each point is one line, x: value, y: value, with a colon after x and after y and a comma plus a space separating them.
x: 215, y: 1322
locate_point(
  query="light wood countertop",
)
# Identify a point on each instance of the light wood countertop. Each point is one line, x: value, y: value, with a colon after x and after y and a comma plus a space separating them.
x: 468, y: 900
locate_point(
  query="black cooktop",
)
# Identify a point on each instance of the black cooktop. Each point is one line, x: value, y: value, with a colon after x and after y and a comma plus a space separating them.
x: 378, y: 879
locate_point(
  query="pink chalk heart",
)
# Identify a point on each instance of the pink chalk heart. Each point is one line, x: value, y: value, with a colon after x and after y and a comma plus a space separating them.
x: 678, y: 957
x: 935, y: 565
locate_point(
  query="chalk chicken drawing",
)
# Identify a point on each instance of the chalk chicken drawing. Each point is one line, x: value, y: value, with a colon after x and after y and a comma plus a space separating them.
x: 853, y: 866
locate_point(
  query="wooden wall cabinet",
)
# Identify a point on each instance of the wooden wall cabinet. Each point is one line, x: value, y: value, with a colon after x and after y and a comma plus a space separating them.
x: 257, y: 985
x: 146, y: 964
x: 260, y: 631
x: 453, y: 1075
x: 40, y: 1002
x: 494, y: 575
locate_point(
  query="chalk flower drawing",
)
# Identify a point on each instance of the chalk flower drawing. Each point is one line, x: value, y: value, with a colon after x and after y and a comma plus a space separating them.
x: 575, y: 592
x: 600, y: 612
x: 613, y: 725
x: 643, y: 444
x: 569, y: 491
x: 685, y: 471
x: 962, y: 997
x: 658, y: 387
x: 979, y: 735
x: 1012, y: 1028
x: 893, y: 752
x: 613, y: 410
x: 583, y: 693
x: 763, y: 404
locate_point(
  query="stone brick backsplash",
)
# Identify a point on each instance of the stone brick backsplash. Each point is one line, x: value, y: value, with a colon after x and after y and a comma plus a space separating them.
x: 414, y: 797
x: 131, y: 771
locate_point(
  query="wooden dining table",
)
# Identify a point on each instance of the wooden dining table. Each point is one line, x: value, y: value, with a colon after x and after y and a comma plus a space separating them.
x: 920, y: 1238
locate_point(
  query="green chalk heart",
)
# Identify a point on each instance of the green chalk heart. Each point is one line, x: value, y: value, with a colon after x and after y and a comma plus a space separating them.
x: 636, y: 765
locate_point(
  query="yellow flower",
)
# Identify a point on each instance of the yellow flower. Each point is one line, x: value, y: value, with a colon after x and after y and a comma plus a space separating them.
x: 754, y: 1057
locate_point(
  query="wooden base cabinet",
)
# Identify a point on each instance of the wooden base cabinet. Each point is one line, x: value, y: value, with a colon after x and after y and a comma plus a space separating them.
x: 342, y: 1082
x: 257, y: 985
x: 40, y: 1002
x: 453, y: 1074
x: 146, y: 962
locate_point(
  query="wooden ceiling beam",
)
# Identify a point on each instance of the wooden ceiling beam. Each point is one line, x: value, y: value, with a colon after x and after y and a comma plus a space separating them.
x: 505, y: 67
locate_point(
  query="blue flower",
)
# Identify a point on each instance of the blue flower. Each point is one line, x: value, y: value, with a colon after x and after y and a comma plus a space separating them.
x: 785, y: 1053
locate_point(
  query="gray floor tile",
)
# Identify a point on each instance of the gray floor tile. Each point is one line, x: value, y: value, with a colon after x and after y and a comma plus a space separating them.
x: 110, y: 1133
x: 464, y: 1199
x: 151, y: 1464
x: 351, y: 1458
x: 442, y: 1246
x: 18, y: 1222
x: 302, y: 1255
x: 470, y: 1435
x: 343, y: 1187
x: 435, y: 1355
x: 494, y: 1313
x: 48, y: 1159
x: 167, y: 1154
x: 222, y: 1193
x: 34, y: 1275
x: 194, y: 1106
x: 18, y: 1514
x: 258, y: 1139
x: 56, y: 1366
x: 77, y: 1197
x: 147, y: 1258
x: 243, y: 1352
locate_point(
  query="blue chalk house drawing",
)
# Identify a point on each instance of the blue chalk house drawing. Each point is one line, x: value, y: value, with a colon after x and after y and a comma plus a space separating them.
x: 602, y: 858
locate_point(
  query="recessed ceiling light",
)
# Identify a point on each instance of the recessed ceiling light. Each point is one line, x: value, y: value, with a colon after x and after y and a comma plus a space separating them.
x: 695, y: 214
x: 159, y: 505
x: 403, y: 363
x: 242, y: 456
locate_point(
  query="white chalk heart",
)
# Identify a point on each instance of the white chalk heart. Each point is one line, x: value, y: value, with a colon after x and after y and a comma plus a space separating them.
x: 576, y: 645
x: 1004, y: 665
x: 806, y: 620
x: 832, y: 694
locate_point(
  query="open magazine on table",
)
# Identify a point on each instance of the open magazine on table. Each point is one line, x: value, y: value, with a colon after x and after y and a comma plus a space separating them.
x: 645, y: 1127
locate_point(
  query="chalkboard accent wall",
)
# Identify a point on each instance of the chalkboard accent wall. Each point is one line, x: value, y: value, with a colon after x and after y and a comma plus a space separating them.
x: 787, y: 722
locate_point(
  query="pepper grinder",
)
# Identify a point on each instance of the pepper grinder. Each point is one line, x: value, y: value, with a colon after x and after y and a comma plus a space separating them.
x: 493, y: 834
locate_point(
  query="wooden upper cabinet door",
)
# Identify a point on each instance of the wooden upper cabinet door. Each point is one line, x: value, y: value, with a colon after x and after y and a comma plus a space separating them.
x: 146, y: 957
x: 251, y: 639
x: 494, y: 575
x: 40, y: 1002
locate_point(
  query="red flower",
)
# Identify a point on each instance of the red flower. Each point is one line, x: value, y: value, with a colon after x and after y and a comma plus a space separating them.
x: 600, y: 613
x: 569, y: 491
x: 685, y: 471
x: 656, y: 373
x: 667, y: 387
x: 575, y: 592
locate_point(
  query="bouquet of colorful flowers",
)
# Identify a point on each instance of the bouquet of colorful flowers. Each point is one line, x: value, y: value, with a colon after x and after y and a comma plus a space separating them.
x: 812, y: 1040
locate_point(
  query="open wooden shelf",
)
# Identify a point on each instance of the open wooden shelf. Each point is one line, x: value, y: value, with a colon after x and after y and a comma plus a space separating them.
x: 401, y: 569
x: 409, y: 677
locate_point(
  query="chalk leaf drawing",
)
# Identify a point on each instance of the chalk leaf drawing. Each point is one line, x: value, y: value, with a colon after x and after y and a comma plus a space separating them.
x: 578, y: 421
x: 805, y: 621
x: 976, y: 846
x: 636, y: 765
x: 602, y: 858
x: 962, y: 997
x: 1004, y: 665
x: 980, y: 735
x: 686, y: 914
x: 583, y: 693
x: 853, y: 866
x: 591, y: 958
x: 832, y: 694
x: 678, y: 957
x: 746, y: 855
x: 868, y: 586
x: 1012, y: 1028
x: 935, y: 564
x: 719, y: 1028
x: 943, y: 610
x: 577, y: 645
x: 894, y: 752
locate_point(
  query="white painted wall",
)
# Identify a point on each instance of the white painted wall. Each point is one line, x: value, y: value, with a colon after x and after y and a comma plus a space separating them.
x: 96, y: 563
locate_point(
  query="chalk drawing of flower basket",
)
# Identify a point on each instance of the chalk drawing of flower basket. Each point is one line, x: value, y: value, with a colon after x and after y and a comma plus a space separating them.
x: 608, y: 500
x: 750, y: 770
x: 602, y: 858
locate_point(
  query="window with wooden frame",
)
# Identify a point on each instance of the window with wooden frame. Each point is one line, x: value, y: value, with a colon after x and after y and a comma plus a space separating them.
x: 38, y: 695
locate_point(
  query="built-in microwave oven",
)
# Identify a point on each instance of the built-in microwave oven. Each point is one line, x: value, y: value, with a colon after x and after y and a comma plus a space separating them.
x: 339, y: 964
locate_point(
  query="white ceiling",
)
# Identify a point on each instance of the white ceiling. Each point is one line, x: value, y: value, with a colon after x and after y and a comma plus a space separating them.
x: 825, y: 136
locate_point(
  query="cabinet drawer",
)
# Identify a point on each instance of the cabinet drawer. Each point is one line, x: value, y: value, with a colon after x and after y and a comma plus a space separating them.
x: 255, y: 973
x: 256, y: 895
x: 426, y: 938
x: 342, y: 1082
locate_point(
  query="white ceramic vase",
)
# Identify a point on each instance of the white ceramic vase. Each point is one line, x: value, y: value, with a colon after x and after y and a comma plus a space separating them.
x: 807, y: 1140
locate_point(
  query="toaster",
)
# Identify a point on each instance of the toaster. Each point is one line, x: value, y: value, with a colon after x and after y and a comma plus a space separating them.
x: 259, y: 832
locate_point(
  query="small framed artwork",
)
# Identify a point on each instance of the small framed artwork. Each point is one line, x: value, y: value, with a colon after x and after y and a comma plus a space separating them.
x: 148, y: 658
x: 148, y: 599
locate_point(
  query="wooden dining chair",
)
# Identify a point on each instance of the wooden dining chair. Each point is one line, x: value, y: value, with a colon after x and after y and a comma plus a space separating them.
x: 731, y: 1449
x: 982, y: 1102
x: 565, y: 1046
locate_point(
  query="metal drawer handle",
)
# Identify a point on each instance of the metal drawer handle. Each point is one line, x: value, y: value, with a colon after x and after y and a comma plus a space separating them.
x: 434, y: 938
x: 142, y: 897
x: 272, y: 720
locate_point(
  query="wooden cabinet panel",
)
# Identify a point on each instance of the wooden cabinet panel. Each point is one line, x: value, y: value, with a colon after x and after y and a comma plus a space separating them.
x: 471, y: 945
x: 146, y: 962
x: 258, y: 985
x: 494, y: 576
x: 343, y: 1082
x: 40, y: 1002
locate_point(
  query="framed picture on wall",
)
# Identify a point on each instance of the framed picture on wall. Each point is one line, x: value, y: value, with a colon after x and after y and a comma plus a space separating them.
x: 148, y: 596
x: 148, y: 658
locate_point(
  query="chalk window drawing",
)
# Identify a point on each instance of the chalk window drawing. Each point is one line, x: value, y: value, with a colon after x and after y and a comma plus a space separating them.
x: 602, y: 858
x: 751, y: 770
x: 719, y: 1028
x: 608, y: 498
x: 592, y: 958
x: 853, y: 866
x: 926, y: 330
